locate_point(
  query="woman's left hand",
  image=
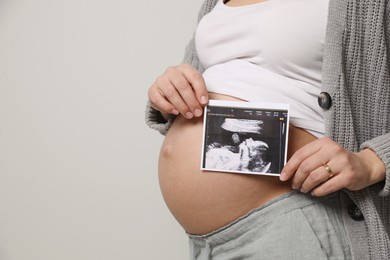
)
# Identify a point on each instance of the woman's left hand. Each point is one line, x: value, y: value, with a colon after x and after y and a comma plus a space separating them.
x: 323, y: 166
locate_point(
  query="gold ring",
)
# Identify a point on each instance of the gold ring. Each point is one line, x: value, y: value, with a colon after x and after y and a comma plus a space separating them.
x: 329, y: 170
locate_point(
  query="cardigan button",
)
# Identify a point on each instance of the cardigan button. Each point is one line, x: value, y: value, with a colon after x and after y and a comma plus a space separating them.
x: 324, y: 100
x: 354, y: 212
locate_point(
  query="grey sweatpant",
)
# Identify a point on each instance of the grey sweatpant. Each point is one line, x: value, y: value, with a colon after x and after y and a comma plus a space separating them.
x: 292, y: 226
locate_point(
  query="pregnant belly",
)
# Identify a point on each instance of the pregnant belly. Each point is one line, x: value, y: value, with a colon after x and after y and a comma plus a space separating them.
x: 203, y: 201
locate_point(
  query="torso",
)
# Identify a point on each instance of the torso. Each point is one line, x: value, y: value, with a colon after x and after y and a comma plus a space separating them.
x: 203, y: 201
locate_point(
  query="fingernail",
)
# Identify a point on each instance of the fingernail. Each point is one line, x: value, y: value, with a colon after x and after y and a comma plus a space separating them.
x: 198, y: 112
x: 283, y: 176
x: 189, y: 115
x: 203, y: 100
x: 175, y: 112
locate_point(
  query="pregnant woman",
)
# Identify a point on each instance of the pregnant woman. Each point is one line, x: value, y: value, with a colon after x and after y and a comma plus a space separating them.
x: 328, y: 59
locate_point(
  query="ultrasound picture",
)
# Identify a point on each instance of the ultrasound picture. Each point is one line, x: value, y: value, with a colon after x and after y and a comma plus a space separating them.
x: 234, y: 142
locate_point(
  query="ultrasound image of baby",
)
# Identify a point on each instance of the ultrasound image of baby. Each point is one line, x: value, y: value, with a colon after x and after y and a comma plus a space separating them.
x: 239, y: 149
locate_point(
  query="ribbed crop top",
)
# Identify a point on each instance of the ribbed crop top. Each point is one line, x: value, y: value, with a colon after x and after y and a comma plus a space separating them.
x: 267, y: 52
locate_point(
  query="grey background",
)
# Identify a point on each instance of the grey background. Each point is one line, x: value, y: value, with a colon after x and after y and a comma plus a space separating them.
x: 78, y: 165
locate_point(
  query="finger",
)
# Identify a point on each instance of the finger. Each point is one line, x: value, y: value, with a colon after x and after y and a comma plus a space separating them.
x: 171, y: 94
x: 187, y: 94
x: 308, y: 166
x: 158, y: 102
x: 315, y: 178
x: 332, y: 185
x: 297, y: 158
x: 197, y: 82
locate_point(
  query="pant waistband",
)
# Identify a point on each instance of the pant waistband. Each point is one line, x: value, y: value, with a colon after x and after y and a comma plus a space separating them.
x: 265, y: 213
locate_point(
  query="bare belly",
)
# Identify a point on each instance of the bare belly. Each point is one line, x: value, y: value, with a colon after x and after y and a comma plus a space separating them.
x: 203, y: 201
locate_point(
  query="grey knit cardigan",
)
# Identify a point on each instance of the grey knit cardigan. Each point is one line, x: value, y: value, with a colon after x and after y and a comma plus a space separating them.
x: 356, y: 74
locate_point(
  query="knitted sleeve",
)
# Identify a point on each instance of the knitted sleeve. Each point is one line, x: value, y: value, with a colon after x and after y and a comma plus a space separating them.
x: 153, y: 117
x: 381, y: 146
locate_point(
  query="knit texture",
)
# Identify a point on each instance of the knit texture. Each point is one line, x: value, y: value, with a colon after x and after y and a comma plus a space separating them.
x: 356, y: 74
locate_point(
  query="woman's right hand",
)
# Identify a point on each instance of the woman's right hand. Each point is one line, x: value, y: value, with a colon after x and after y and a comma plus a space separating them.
x: 179, y: 89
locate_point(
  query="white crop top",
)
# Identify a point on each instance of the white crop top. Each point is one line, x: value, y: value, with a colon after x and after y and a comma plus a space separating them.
x: 267, y: 52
